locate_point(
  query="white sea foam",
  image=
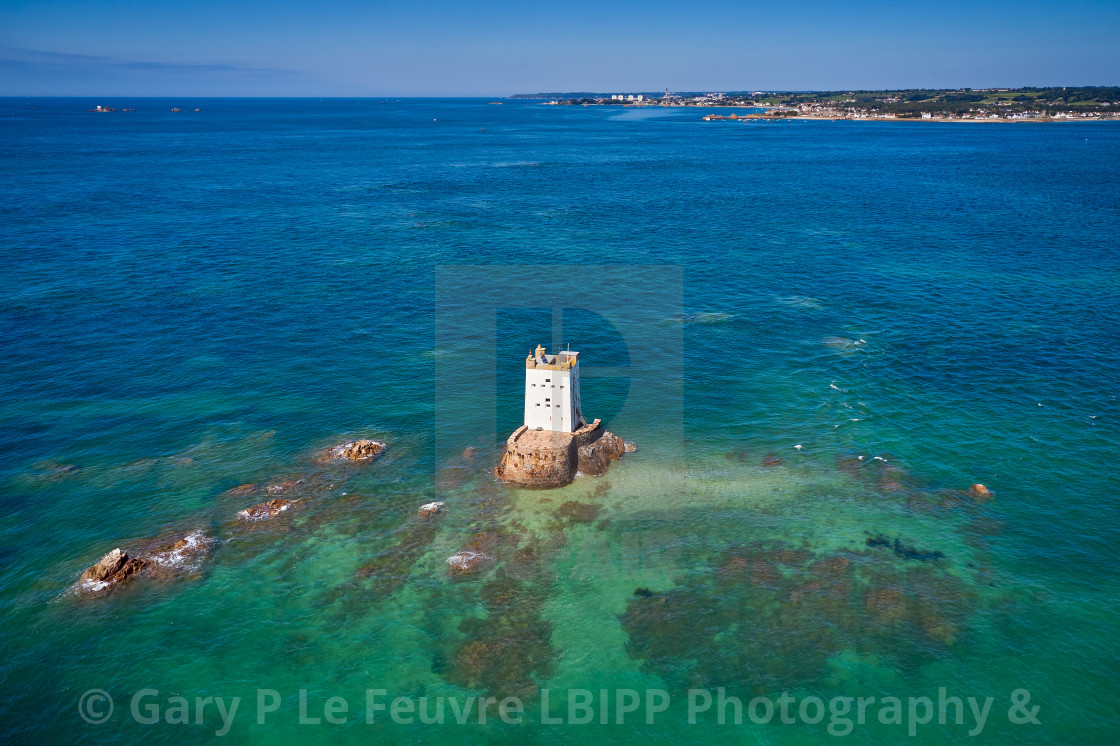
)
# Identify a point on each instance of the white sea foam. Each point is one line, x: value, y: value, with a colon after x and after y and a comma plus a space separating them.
x: 800, y: 301
x: 187, y: 556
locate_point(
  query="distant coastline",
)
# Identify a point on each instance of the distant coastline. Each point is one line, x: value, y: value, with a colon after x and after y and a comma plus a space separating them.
x: 1082, y: 103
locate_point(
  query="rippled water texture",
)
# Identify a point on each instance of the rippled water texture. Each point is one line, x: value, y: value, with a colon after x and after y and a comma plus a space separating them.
x: 871, y: 316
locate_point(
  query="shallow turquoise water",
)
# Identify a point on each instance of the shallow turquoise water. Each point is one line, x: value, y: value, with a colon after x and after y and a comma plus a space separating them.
x: 196, y: 301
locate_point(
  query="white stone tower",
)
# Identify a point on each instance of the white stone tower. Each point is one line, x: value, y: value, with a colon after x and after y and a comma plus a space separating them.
x: 552, y: 391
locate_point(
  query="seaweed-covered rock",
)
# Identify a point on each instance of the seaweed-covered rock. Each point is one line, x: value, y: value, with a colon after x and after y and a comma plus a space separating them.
x: 770, y: 617
x: 578, y: 512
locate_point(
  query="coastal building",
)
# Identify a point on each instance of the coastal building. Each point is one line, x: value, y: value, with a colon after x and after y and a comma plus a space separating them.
x: 552, y: 391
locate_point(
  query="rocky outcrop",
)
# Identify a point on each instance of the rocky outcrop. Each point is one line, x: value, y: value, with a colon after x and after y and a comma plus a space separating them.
x: 466, y: 562
x: 545, y: 458
x: 595, y: 458
x: 980, y: 493
x: 287, y: 485
x: 267, y: 509
x: 115, y: 567
x: 592, y: 460
x: 355, y: 450
x: 430, y: 509
x: 161, y: 558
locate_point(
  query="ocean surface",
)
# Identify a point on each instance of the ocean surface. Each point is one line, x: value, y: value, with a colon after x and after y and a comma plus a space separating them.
x: 818, y: 335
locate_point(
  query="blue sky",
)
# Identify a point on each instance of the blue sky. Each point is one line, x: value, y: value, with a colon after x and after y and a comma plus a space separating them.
x: 481, y: 48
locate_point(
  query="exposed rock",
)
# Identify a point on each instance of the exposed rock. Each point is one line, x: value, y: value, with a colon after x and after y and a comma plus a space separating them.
x: 114, y: 567
x: 429, y: 509
x: 281, y: 487
x: 267, y: 509
x: 466, y: 561
x: 355, y: 450
x: 155, y: 559
x: 242, y: 490
x: 980, y: 493
x: 592, y: 460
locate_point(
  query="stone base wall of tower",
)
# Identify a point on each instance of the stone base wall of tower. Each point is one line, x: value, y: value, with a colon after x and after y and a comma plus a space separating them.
x: 543, y: 458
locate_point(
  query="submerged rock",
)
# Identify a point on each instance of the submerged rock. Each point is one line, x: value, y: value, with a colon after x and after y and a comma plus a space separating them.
x: 242, y: 490
x: 773, y: 617
x: 578, y: 512
x: 772, y: 460
x: 355, y: 450
x: 267, y: 509
x: 470, y: 454
x: 54, y: 470
x: 507, y: 651
x: 903, y: 550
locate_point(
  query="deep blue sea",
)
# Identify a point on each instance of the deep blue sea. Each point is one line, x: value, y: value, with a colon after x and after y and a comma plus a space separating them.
x: 818, y: 335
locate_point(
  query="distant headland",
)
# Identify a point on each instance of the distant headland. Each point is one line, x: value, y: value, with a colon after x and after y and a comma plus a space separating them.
x: 1069, y: 103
